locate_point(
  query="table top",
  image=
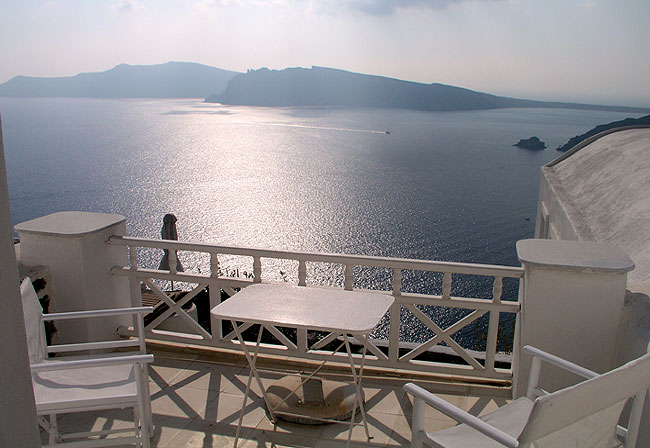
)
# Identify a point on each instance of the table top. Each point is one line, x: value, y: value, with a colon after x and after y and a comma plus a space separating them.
x: 315, y: 308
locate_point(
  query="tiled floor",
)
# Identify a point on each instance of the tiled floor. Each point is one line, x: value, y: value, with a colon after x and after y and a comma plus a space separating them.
x: 196, y: 402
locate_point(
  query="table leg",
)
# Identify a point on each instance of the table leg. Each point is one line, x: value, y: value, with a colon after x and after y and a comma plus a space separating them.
x: 357, y: 384
x: 251, y: 363
x: 362, y: 408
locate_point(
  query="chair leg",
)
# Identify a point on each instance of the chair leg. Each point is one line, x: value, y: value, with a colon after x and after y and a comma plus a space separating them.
x: 417, y: 424
x: 148, y: 418
x: 142, y: 427
x: 142, y: 412
x: 53, y: 430
x: 634, y: 422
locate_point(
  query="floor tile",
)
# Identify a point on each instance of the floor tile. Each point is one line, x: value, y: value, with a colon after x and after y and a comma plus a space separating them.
x: 183, y: 402
x: 208, y: 376
x: 163, y: 371
x: 401, y: 434
x: 226, y: 409
x: 202, y: 433
x: 379, y: 428
x: 271, y: 439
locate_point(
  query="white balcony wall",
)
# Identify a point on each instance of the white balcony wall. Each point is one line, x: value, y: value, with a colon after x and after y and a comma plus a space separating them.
x: 72, y: 246
x: 573, y: 298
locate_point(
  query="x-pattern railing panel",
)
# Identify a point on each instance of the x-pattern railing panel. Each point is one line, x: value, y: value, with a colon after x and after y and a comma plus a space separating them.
x: 177, y: 308
x: 443, y: 336
x: 332, y: 337
x: 376, y: 348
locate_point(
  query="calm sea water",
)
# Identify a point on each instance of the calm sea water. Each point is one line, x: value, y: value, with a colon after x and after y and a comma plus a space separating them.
x: 440, y: 186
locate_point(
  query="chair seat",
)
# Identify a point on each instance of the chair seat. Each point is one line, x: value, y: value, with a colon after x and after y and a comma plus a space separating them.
x: 85, y: 388
x: 510, y: 419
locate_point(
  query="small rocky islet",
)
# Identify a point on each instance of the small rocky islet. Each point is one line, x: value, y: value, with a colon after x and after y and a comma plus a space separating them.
x: 530, y: 143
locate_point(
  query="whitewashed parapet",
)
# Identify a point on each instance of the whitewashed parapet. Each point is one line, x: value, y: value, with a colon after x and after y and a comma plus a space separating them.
x: 72, y: 245
x: 571, y: 305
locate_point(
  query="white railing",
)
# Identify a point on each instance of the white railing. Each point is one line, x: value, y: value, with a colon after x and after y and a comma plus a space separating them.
x: 395, y: 354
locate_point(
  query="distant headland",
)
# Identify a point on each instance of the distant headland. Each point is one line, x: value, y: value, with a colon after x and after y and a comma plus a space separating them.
x: 291, y: 87
x: 169, y: 80
x: 642, y: 121
x: 329, y: 87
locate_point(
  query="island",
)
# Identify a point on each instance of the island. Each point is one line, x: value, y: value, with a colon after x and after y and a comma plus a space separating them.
x: 530, y: 143
x: 329, y: 87
x: 168, y: 80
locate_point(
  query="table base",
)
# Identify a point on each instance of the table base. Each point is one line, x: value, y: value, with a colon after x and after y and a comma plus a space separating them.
x: 272, y: 406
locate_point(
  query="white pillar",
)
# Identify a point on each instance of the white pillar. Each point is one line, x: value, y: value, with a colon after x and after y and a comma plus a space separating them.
x: 73, y: 246
x: 573, y: 295
x: 18, y: 424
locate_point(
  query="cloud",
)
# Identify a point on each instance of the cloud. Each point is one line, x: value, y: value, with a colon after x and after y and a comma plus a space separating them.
x: 367, y: 7
x: 126, y: 5
x: 387, y: 7
x: 206, y: 5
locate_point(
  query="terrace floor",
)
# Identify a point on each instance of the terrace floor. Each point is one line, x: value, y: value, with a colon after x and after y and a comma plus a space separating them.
x: 196, y: 399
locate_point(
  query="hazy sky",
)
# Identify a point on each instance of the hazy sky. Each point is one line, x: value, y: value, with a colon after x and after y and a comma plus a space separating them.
x: 589, y: 51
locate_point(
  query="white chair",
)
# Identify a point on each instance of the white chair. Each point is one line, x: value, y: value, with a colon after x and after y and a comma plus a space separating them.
x: 69, y: 384
x: 584, y: 415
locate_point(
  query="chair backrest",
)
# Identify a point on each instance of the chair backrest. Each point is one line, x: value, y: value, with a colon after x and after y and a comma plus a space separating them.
x: 588, y: 411
x: 32, y: 313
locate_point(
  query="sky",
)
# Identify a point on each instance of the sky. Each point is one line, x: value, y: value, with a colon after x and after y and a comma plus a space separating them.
x: 594, y: 51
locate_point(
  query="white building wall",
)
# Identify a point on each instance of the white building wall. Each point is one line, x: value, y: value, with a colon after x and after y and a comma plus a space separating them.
x: 625, y: 159
x: 18, y: 424
x: 552, y: 220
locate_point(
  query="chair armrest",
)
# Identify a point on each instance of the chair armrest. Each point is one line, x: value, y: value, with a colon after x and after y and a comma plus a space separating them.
x: 461, y: 416
x: 98, y: 313
x: 559, y: 362
x: 95, y: 362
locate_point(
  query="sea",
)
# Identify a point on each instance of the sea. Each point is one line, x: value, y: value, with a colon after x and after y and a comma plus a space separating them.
x: 387, y: 182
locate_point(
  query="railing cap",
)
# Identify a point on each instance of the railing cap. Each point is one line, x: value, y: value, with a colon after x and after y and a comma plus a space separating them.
x: 363, y: 260
x: 69, y: 224
x: 573, y: 255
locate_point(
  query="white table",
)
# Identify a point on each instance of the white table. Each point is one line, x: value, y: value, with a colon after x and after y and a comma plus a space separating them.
x: 353, y: 313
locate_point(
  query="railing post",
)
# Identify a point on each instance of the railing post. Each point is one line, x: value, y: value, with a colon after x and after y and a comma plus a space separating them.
x: 134, y: 281
x: 216, y: 325
x: 172, y: 261
x: 349, y: 277
x: 397, y: 282
x: 395, y: 315
x: 257, y: 269
x: 134, y: 285
x: 214, y: 265
x: 493, y: 326
x: 302, y: 273
x: 446, y: 286
x: 133, y: 258
x: 302, y: 340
